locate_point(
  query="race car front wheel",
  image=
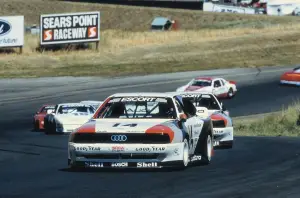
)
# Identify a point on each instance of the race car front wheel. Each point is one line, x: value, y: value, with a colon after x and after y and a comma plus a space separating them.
x: 36, y: 125
x: 185, y: 156
x: 230, y: 93
x: 209, y: 149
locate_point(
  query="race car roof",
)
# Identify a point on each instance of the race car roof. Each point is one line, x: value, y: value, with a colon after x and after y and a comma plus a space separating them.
x: 144, y: 94
x: 204, y: 78
x: 191, y: 93
x: 74, y: 104
x: 91, y: 101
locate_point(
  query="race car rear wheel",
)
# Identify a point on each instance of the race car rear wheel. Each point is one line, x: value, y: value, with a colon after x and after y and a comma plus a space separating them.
x: 206, y: 150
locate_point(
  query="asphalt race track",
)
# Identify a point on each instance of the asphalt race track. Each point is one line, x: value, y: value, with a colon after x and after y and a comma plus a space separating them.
x: 35, y: 165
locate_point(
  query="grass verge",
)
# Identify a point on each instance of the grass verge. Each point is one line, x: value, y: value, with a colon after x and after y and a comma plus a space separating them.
x: 205, y: 41
x: 281, y: 123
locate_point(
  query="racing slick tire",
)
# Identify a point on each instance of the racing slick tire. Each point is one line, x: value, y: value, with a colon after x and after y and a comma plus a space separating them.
x: 36, y: 126
x: 230, y: 93
x: 205, y: 149
x: 73, y: 167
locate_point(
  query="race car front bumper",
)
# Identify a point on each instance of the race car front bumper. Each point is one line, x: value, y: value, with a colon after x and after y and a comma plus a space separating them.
x: 124, y: 155
x: 67, y: 128
x: 223, y: 137
x: 297, y: 83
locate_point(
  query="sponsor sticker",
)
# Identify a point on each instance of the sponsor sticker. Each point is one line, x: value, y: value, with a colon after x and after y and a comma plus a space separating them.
x: 138, y: 99
x: 150, y: 149
x: 93, y: 164
x: 119, y: 164
x: 146, y: 165
x: 191, y: 95
x: 115, y: 100
x: 198, y: 125
x: 176, y: 151
x: 87, y: 148
x: 118, y: 148
x: 218, y: 131
x: 196, y: 158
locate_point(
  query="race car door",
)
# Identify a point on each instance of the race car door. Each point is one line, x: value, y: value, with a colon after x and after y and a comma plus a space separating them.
x: 219, y: 88
x: 193, y: 124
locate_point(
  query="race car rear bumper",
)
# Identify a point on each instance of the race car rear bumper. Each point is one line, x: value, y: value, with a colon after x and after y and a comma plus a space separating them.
x: 290, y: 82
x: 124, y: 155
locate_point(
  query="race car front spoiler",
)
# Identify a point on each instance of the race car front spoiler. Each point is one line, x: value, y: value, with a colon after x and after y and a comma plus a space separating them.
x: 286, y: 82
x: 90, y: 164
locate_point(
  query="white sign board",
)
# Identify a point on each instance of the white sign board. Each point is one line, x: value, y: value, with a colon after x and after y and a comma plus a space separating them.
x: 11, y: 31
x: 282, y: 9
x: 70, y: 28
x: 210, y: 7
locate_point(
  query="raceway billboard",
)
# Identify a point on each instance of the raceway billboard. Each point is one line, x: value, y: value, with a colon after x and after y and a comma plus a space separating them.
x: 11, y: 31
x: 70, y: 28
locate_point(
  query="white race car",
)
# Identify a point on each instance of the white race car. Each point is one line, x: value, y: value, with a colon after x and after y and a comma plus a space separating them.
x: 142, y: 130
x: 67, y: 117
x: 222, y: 123
x: 95, y: 104
x: 217, y: 86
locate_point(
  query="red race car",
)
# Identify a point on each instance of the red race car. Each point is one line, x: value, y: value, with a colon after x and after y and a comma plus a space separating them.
x: 291, y: 77
x: 38, y: 120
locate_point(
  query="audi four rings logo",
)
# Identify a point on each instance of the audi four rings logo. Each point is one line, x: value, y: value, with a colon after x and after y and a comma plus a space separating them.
x: 118, y: 138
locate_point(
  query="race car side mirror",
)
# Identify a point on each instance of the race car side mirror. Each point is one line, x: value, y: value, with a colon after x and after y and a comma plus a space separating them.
x: 183, y: 117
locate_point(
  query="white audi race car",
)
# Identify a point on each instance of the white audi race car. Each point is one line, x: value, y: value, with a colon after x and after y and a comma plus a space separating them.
x: 142, y: 130
x: 220, y: 87
x: 67, y: 117
x: 222, y: 123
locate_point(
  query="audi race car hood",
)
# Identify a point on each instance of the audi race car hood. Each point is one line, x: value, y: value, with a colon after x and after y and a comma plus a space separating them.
x: 125, y: 125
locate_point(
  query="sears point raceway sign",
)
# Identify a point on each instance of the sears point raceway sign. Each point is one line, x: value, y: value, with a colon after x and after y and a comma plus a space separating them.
x: 11, y: 31
x: 70, y: 28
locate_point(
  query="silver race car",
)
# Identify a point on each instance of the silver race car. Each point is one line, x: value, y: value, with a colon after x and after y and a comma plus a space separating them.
x: 222, y: 122
x: 142, y: 130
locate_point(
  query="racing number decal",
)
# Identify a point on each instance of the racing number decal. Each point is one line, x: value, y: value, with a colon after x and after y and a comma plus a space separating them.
x: 119, y: 124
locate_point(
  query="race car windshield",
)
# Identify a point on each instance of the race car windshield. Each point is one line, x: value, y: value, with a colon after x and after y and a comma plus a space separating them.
x: 74, y: 109
x: 201, y: 83
x: 45, y: 109
x: 203, y: 101
x: 139, y: 108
